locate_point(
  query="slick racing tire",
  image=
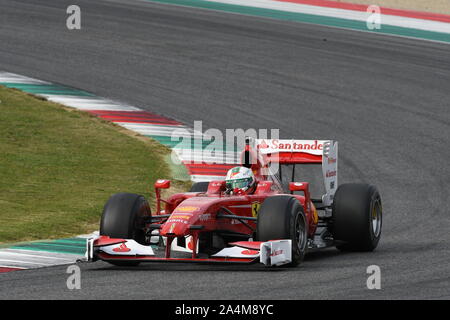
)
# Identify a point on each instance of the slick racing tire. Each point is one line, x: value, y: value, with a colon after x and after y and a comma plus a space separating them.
x: 199, y: 187
x: 123, y: 217
x: 282, y: 217
x: 357, y: 217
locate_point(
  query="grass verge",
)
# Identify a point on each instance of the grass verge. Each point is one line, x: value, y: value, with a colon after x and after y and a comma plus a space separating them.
x: 58, y: 166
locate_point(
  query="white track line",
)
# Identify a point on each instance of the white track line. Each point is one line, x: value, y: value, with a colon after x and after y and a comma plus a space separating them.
x: 16, y: 252
x: 26, y: 262
x: 16, y: 78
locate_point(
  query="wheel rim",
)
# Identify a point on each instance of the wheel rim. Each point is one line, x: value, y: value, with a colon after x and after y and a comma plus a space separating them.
x: 300, y: 234
x: 376, y: 219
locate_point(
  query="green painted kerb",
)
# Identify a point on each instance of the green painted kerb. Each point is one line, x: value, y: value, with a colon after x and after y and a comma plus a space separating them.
x: 308, y: 18
x: 70, y: 245
x: 46, y: 89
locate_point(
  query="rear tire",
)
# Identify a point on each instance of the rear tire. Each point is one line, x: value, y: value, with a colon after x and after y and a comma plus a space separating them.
x: 282, y: 217
x: 199, y: 187
x: 357, y: 217
x: 123, y: 217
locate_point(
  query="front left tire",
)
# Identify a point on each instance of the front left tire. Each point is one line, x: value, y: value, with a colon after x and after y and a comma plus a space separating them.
x: 282, y: 217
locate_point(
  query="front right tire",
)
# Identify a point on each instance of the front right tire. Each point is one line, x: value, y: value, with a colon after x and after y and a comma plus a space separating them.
x: 123, y: 217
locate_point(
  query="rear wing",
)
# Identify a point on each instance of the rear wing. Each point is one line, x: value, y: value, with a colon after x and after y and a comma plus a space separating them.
x: 324, y: 152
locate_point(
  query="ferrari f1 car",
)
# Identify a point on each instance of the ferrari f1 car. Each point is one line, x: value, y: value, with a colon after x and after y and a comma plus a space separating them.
x: 274, y: 225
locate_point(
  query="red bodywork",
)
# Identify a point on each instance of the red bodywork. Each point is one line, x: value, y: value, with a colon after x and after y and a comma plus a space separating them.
x: 196, y: 213
x: 193, y: 213
x: 191, y: 209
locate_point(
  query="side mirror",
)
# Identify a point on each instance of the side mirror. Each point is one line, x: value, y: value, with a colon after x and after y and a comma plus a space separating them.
x: 301, y: 186
x: 162, y: 184
x: 298, y: 186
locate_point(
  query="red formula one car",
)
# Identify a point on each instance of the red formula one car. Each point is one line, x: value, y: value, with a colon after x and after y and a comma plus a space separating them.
x: 270, y: 225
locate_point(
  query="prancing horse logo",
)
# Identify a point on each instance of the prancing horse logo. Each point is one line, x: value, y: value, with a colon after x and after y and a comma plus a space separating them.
x: 255, y: 208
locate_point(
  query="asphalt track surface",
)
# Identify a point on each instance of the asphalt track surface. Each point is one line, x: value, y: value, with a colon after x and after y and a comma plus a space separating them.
x: 386, y: 99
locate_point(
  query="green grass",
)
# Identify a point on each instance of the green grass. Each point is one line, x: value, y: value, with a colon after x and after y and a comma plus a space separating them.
x: 58, y: 166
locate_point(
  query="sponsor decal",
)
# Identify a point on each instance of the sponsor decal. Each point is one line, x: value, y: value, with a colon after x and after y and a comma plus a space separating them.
x: 180, y: 216
x: 273, y: 146
x: 276, y: 253
x: 291, y: 145
x: 249, y: 252
x: 186, y: 209
x: 177, y: 220
x: 122, y: 248
x: 191, y: 245
x: 263, y: 145
x: 255, y: 208
x: 281, y: 146
x: 216, y: 184
x: 204, y: 217
x: 172, y: 227
x: 330, y: 174
x: 331, y: 160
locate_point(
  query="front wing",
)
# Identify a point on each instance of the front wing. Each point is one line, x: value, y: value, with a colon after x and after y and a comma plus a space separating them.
x: 270, y: 253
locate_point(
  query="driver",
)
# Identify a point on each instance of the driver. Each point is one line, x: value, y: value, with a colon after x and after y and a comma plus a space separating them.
x: 240, y: 180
